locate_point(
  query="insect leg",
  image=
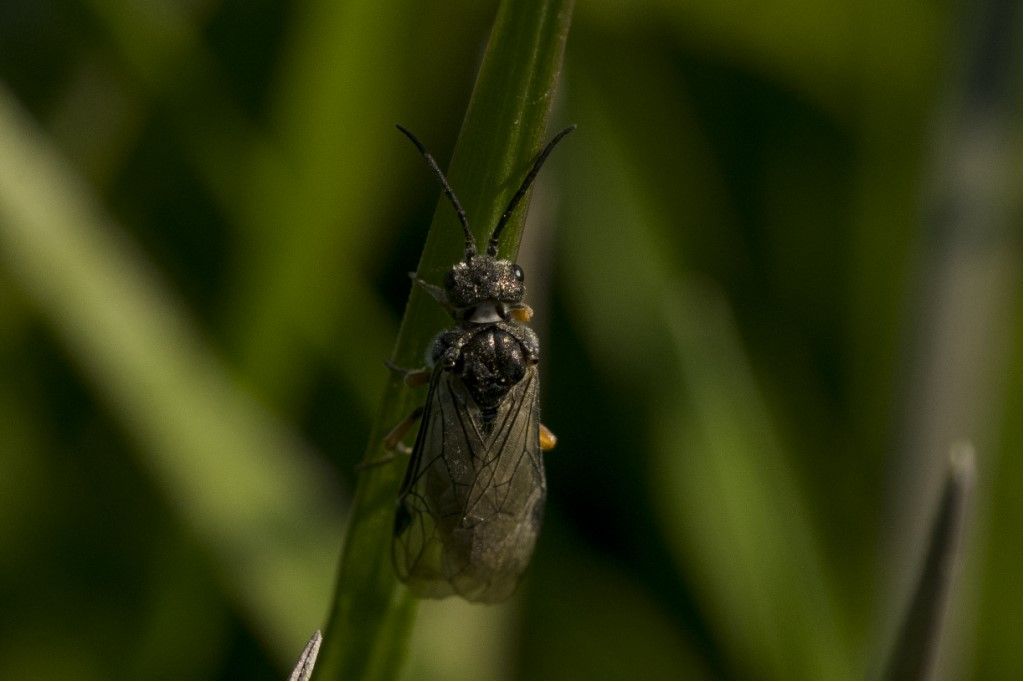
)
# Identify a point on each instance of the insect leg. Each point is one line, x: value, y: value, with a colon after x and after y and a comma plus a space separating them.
x: 448, y: 346
x: 393, y: 441
x: 412, y: 377
x: 521, y: 312
x: 436, y: 292
x: 548, y: 440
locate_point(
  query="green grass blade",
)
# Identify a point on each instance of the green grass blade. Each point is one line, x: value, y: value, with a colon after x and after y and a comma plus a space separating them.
x: 298, y: 195
x: 917, y: 646
x: 311, y: 226
x: 728, y: 498
x: 307, y: 659
x: 504, y: 127
x: 241, y: 481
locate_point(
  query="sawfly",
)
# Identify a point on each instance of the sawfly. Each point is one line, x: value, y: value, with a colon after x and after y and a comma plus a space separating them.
x: 471, y: 502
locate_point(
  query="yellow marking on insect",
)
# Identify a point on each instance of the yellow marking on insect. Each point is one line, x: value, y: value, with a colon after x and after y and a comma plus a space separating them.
x: 522, y: 314
x: 548, y: 440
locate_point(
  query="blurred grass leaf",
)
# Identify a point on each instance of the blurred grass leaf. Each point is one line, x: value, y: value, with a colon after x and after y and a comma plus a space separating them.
x: 730, y: 506
x: 314, y: 215
x: 300, y: 196
x: 733, y: 510
x: 248, y: 489
x: 915, y: 650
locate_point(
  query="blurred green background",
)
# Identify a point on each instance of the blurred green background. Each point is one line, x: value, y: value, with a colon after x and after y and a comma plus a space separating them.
x: 777, y: 274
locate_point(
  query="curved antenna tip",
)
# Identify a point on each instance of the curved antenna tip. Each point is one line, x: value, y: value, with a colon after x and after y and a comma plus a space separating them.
x: 492, y: 244
x: 439, y: 174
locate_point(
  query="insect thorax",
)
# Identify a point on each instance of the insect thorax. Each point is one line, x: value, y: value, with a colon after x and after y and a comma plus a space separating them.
x: 490, y: 359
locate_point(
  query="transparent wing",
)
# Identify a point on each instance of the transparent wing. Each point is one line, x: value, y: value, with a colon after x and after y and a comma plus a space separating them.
x: 471, y: 503
x: 417, y: 546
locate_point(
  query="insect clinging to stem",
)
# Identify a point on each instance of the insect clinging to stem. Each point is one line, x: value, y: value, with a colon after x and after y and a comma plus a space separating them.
x: 470, y: 506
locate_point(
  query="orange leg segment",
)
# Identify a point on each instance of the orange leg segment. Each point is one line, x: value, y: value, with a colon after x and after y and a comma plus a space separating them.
x: 548, y: 440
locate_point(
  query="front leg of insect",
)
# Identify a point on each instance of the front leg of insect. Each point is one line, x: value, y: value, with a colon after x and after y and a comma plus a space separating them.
x: 470, y: 506
x: 446, y: 349
x: 410, y: 377
x: 436, y: 292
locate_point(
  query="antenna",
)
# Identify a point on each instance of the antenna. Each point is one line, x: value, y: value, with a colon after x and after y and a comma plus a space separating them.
x: 492, y: 245
x: 470, y: 242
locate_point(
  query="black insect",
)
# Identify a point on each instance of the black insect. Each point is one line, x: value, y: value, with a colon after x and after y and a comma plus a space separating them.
x: 470, y: 505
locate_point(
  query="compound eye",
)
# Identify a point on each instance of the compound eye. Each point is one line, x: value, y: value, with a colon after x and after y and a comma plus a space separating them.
x: 517, y: 272
x: 449, y: 280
